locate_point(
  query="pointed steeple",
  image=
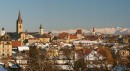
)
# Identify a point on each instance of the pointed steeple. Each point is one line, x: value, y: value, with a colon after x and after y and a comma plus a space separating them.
x: 93, y: 29
x: 19, y: 13
x: 19, y: 24
x: 19, y: 17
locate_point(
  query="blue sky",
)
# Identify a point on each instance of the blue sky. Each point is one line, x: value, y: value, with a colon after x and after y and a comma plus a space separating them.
x: 64, y: 14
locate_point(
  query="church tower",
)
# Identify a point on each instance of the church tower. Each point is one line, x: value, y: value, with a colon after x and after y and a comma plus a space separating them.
x: 2, y: 32
x: 41, y: 30
x: 93, y: 31
x: 19, y: 24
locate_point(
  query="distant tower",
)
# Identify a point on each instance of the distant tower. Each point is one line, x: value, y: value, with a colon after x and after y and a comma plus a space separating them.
x: 2, y: 32
x: 41, y: 30
x: 93, y: 31
x: 19, y: 24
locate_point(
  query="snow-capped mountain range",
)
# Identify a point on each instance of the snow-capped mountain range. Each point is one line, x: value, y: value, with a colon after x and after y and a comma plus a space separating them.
x: 117, y: 30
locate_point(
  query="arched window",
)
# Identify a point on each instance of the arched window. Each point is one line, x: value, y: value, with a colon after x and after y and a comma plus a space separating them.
x: 20, y: 26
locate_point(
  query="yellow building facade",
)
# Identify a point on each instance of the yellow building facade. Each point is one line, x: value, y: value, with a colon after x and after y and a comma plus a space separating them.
x: 5, y: 48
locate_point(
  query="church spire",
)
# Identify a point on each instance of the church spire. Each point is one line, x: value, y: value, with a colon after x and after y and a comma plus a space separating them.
x: 93, y: 29
x: 19, y: 17
x: 19, y: 24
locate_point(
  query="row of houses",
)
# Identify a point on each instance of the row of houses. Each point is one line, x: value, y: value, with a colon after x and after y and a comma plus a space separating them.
x: 83, y: 47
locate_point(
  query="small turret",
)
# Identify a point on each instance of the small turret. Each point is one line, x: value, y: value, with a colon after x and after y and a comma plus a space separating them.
x: 93, y: 31
x: 41, y: 30
x: 3, y: 31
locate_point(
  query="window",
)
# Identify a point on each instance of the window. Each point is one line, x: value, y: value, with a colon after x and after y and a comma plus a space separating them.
x: 20, y: 26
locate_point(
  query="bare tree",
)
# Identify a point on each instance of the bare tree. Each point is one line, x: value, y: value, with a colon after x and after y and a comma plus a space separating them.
x: 37, y: 61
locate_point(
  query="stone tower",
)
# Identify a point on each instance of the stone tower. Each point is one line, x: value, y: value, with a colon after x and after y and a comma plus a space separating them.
x: 19, y: 24
x: 93, y: 31
x: 41, y: 30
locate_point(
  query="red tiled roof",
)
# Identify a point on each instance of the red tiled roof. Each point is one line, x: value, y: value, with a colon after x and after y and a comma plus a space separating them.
x: 79, y: 31
x: 72, y: 36
x: 63, y: 35
x: 16, y: 44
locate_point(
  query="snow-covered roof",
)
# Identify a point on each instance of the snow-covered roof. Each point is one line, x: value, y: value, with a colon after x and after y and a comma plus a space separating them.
x: 65, y: 67
x: 14, y: 52
x: 84, y: 41
x: 1, y: 63
x: 66, y: 44
x: 12, y: 65
x: 23, y: 48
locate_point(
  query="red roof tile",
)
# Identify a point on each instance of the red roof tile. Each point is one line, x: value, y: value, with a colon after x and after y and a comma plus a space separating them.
x: 79, y: 31
x: 16, y: 44
x: 63, y: 35
x: 72, y: 36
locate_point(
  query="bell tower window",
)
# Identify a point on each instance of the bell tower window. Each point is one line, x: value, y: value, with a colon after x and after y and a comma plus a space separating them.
x: 20, y: 26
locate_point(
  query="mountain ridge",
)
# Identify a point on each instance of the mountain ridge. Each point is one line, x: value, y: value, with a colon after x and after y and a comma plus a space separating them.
x: 110, y: 30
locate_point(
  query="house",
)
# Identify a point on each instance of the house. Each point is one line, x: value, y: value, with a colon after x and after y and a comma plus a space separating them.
x: 124, y: 53
x: 23, y: 48
x: 92, y: 56
x: 33, y: 40
x: 23, y: 36
x: 89, y: 54
x: 63, y: 37
x: 52, y: 52
x: 85, y: 42
x: 13, y: 66
x: 66, y: 37
x: 45, y: 38
x: 5, y: 48
x: 22, y: 61
x: 15, y: 44
x: 72, y: 37
x: 119, y: 67
x: 79, y: 34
